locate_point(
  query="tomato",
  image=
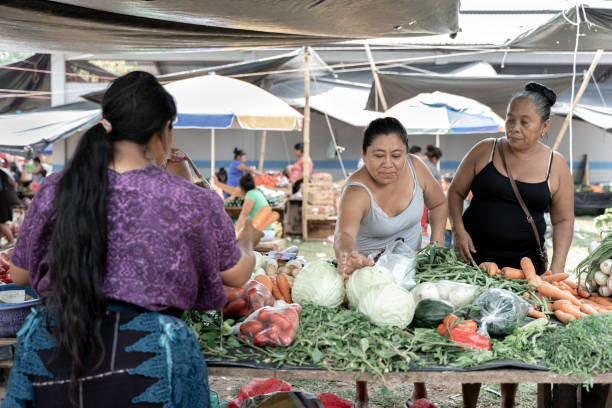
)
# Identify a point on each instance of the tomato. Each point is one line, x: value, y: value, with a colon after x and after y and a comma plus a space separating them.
x: 286, y: 337
x: 292, y: 316
x: 264, y: 315
x: 273, y: 332
x: 235, y: 306
x: 297, y: 307
x: 234, y: 293
x: 280, y: 320
x: 260, y: 339
x: 251, y: 327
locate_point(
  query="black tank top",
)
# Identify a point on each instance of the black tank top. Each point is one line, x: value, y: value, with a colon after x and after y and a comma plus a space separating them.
x: 497, y: 224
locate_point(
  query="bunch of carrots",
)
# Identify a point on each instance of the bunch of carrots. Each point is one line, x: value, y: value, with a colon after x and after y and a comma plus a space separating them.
x: 262, y: 220
x: 279, y: 287
x: 562, y: 295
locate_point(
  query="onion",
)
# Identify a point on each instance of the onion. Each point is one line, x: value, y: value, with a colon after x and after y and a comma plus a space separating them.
x: 601, y: 278
x: 605, y: 291
x: 593, y: 246
x: 606, y: 266
x: 610, y: 284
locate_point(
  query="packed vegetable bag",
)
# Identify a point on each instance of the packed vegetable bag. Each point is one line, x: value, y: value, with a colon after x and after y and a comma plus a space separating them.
x: 270, y: 326
x: 243, y: 301
x: 259, y: 386
x: 499, y: 312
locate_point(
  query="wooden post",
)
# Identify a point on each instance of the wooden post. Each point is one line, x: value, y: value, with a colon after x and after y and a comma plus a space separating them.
x: 377, y: 85
x: 212, y: 156
x: 543, y: 396
x: 361, y: 395
x: 583, y: 86
x: 262, y: 150
x: 306, y: 163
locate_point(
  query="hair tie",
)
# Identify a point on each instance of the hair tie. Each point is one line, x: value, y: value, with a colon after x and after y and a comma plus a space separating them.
x: 107, y: 125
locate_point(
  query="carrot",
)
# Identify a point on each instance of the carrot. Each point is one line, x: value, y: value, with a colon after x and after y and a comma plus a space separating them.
x: 563, y: 317
x: 536, y: 314
x: 571, y: 284
x: 567, y: 307
x: 489, y: 267
x: 547, y: 289
x: 276, y: 291
x: 283, y: 286
x: 512, y: 273
x: 567, y: 288
x: 588, y: 309
x: 547, y: 273
x: 526, y: 295
x: 261, y: 216
x: 264, y: 280
x: 529, y: 271
x: 604, y: 301
x: 556, y: 277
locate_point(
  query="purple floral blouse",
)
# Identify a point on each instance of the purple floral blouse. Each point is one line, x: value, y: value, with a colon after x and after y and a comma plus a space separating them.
x: 168, y: 241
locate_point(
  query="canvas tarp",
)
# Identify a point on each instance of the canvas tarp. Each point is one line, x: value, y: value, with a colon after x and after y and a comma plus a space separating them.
x: 17, y: 80
x: 119, y: 26
x: 559, y: 34
x: 493, y: 91
x: 27, y: 134
x: 595, y: 106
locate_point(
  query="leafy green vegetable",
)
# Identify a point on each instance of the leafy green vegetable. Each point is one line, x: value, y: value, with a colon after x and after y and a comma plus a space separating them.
x: 387, y: 304
x: 319, y: 283
x: 363, y: 280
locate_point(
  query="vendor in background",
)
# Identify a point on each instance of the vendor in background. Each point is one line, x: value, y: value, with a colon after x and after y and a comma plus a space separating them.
x: 8, y: 198
x: 384, y: 200
x: 417, y: 151
x: 296, y: 170
x: 221, y: 175
x: 238, y: 168
x: 253, y: 201
x: 432, y: 157
x: 39, y: 172
x: 494, y: 227
x: 117, y: 248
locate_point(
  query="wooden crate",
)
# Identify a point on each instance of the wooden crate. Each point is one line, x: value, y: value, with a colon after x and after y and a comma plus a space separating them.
x: 321, y: 229
x: 278, y: 245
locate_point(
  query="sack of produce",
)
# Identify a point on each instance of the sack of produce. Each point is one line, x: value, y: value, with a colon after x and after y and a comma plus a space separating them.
x: 270, y: 326
x: 319, y: 283
x: 499, y: 312
x: 387, y: 304
x: 363, y: 280
x: 259, y: 386
x: 399, y: 259
x: 456, y: 294
x: 243, y: 301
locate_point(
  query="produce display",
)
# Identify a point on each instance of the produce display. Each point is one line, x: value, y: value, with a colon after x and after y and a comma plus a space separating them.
x: 243, y: 301
x: 594, y: 271
x: 458, y: 315
x: 235, y: 202
x: 5, y: 260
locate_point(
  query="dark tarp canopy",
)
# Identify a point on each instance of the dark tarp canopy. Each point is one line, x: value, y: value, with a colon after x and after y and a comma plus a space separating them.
x: 27, y: 81
x: 493, y: 91
x: 123, y: 26
x: 27, y: 134
x: 559, y: 34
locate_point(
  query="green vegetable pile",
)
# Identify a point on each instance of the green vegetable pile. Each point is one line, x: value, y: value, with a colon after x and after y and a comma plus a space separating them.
x: 235, y: 202
x: 582, y: 348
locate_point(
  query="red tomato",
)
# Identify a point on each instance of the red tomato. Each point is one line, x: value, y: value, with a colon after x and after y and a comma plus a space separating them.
x: 273, y: 332
x: 251, y: 327
x: 286, y: 337
x: 260, y: 339
x: 264, y: 315
x: 234, y: 293
x: 280, y: 320
x: 235, y: 307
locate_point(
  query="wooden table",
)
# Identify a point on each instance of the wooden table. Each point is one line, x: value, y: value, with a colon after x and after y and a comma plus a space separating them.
x: 542, y: 378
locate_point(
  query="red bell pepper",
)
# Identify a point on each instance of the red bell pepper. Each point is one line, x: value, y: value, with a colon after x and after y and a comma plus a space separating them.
x: 466, y: 338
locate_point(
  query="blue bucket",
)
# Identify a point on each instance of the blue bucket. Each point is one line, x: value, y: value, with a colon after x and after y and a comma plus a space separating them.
x: 12, y: 315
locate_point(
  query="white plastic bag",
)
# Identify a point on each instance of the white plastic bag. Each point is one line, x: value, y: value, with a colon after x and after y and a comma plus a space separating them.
x: 456, y: 294
x: 400, y: 260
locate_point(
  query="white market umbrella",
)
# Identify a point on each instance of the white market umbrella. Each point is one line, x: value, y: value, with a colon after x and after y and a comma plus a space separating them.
x: 218, y: 102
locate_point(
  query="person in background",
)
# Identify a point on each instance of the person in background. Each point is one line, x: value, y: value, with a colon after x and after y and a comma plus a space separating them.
x: 253, y: 201
x: 494, y: 228
x: 117, y: 249
x: 238, y: 168
x: 39, y: 172
x: 221, y: 175
x: 432, y: 157
x: 296, y: 170
x: 416, y: 150
x: 448, y: 233
x: 8, y: 198
x: 15, y: 173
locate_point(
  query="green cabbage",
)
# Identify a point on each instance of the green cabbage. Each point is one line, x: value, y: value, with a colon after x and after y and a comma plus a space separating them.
x: 363, y: 279
x: 319, y: 283
x: 388, y: 304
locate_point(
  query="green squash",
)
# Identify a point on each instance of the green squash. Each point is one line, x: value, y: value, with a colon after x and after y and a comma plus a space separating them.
x: 429, y: 313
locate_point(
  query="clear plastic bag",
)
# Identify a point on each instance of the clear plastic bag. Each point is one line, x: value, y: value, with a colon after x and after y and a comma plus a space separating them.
x: 499, y: 312
x: 243, y: 301
x: 456, y: 294
x: 400, y: 260
x: 270, y: 326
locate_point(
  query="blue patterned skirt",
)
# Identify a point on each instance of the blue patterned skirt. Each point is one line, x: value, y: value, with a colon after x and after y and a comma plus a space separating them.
x: 149, y: 360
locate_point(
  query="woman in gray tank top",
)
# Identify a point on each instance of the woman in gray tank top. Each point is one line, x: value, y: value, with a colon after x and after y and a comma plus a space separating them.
x: 383, y: 201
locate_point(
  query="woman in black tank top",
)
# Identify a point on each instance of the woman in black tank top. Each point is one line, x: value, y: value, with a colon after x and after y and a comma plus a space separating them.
x: 495, y: 227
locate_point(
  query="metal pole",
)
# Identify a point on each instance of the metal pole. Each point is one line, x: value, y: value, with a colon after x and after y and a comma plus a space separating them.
x: 331, y: 132
x: 306, y: 165
x: 438, y: 146
x: 212, y: 156
x: 379, y: 90
x: 262, y: 150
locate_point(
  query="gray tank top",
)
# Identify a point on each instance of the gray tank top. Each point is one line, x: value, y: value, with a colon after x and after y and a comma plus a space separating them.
x: 377, y: 229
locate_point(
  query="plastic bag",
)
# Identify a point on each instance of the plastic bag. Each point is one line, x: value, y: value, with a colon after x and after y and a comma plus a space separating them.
x: 243, y: 301
x: 499, y: 312
x: 333, y: 401
x: 270, y: 326
x: 400, y: 260
x: 257, y: 387
x: 284, y: 399
x: 456, y: 294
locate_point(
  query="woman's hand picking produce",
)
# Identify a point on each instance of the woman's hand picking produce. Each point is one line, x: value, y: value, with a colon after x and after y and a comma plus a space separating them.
x: 350, y: 262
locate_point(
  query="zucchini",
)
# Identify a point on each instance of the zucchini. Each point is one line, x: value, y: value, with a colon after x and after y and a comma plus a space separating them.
x: 429, y: 313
